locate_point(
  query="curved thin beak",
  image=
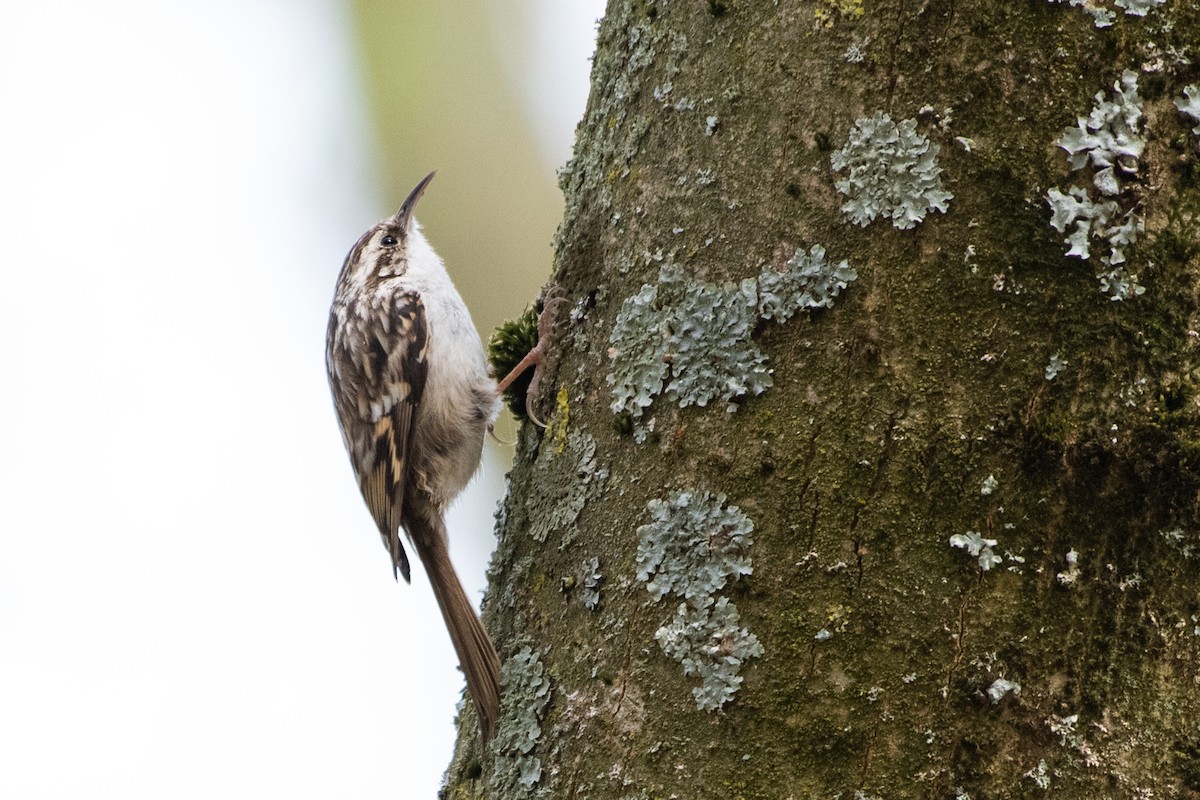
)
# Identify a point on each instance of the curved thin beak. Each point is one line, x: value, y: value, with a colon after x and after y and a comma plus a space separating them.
x: 404, y: 215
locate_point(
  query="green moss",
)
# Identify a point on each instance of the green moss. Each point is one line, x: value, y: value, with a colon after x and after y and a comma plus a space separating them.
x: 510, y: 343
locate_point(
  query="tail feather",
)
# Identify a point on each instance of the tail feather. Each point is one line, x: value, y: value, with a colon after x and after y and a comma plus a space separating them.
x: 476, y: 653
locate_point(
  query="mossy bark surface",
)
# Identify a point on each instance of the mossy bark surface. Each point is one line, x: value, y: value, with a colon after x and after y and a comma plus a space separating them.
x: 890, y: 659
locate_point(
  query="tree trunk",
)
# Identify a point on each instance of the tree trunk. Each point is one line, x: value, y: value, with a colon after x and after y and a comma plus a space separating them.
x: 919, y: 524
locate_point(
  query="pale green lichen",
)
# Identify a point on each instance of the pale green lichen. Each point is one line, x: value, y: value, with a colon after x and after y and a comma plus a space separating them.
x: 694, y: 337
x: 567, y: 478
x: 1189, y: 104
x: 1040, y: 775
x: 1101, y: 219
x: 810, y: 282
x: 892, y: 171
x: 1101, y: 16
x: 1104, y: 17
x: 978, y: 547
x: 590, y: 580
x: 1066, y: 728
x: 1071, y: 574
x: 711, y: 353
x: 1110, y: 140
x: 1186, y: 544
x: 639, y: 347
x: 1055, y: 366
x: 692, y: 340
x: 692, y: 547
x: 1001, y: 687
x: 1138, y: 8
x: 524, y: 693
x: 641, y: 47
x: 712, y: 646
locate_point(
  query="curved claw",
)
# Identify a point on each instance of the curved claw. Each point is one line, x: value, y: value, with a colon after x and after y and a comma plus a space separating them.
x: 529, y: 412
x: 491, y: 429
x: 534, y: 385
x: 534, y: 358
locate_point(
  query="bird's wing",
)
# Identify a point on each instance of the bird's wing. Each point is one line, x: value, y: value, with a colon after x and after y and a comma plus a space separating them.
x: 398, y: 350
x: 382, y: 381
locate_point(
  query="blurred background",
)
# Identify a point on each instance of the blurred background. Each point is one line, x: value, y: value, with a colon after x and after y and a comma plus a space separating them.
x: 194, y: 602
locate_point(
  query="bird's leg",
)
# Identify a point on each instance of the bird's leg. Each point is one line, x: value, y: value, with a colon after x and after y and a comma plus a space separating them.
x: 534, y: 358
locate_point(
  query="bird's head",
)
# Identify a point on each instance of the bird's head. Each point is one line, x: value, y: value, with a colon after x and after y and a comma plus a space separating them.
x: 384, y: 250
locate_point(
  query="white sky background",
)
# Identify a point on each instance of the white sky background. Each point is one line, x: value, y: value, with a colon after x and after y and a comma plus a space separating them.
x: 193, y: 600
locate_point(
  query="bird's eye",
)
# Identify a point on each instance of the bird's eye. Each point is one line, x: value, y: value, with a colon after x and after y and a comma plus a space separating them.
x: 388, y: 241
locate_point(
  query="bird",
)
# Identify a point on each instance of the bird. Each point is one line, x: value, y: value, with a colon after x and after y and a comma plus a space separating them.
x: 414, y: 398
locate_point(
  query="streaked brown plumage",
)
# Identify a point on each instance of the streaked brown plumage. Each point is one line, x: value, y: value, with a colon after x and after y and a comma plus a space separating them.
x: 414, y: 399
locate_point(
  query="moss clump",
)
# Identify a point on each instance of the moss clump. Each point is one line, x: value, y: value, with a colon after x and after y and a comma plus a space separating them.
x: 510, y: 343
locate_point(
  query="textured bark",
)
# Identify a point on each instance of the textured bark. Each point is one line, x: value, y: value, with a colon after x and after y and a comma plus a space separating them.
x: 887, y: 416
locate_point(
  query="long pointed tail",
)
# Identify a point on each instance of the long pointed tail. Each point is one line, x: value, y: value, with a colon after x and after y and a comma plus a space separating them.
x: 476, y: 653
